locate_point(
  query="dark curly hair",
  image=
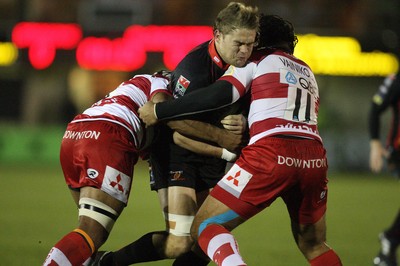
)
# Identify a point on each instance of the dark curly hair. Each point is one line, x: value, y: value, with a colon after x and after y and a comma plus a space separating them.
x: 275, y: 32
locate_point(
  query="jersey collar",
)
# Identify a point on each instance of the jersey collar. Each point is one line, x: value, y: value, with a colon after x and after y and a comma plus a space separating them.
x: 215, y: 56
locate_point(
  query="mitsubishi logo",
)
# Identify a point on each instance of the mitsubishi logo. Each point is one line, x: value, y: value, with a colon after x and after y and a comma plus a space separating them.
x: 116, y: 184
x: 234, y: 178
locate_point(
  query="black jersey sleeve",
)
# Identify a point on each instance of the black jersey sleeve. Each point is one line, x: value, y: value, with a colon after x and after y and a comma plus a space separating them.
x: 374, y: 121
x: 388, y: 95
x: 215, y: 96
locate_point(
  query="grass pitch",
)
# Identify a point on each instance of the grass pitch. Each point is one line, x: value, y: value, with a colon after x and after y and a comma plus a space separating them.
x: 37, y: 210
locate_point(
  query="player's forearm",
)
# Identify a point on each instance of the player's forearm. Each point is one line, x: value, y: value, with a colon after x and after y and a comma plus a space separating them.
x: 375, y: 143
x: 212, y: 97
x: 197, y: 129
x: 197, y: 146
x: 203, y: 148
x: 160, y: 97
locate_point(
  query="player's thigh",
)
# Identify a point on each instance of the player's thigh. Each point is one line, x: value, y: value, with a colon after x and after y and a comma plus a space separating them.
x: 201, y: 196
x: 75, y: 195
x: 182, y: 200
x: 101, y: 196
x: 98, y: 212
x: 162, y: 195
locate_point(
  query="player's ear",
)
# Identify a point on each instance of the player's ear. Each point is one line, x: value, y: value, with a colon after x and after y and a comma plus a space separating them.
x: 217, y: 34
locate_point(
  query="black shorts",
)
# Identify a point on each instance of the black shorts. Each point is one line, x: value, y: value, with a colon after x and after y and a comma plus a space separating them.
x: 171, y: 165
x: 200, y: 175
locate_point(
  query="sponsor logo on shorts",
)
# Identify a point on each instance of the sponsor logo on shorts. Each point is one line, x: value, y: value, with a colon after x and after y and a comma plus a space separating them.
x: 87, y: 134
x: 116, y: 183
x: 176, y: 175
x: 92, y: 173
x: 323, y: 194
x: 235, y: 180
x: 300, y: 163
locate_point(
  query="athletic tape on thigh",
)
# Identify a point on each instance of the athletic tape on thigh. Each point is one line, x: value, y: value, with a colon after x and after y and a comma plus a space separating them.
x: 98, y: 211
x: 219, y: 219
x: 179, y: 225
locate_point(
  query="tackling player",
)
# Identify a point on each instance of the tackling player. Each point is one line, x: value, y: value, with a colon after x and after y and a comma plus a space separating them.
x: 388, y: 96
x: 98, y: 152
x: 285, y: 156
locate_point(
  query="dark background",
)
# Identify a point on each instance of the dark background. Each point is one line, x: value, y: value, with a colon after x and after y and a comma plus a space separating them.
x: 51, y: 97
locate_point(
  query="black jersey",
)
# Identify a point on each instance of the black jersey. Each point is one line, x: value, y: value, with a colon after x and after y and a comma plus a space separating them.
x: 387, y: 96
x: 200, y: 68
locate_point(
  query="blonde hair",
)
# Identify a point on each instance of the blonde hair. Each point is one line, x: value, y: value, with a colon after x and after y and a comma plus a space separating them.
x: 237, y: 16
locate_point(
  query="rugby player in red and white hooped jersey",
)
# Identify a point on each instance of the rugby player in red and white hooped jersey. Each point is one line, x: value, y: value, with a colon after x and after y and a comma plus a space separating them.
x: 285, y: 156
x: 98, y: 152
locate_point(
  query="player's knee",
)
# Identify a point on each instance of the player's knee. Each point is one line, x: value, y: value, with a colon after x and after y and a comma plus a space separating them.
x: 179, y: 225
x: 194, y: 230
x: 310, y: 237
x: 228, y: 219
x: 194, y: 233
x: 179, y: 240
x: 310, y: 243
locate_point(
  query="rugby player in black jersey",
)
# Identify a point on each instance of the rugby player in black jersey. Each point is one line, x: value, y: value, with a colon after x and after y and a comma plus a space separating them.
x: 181, y: 177
x: 387, y: 97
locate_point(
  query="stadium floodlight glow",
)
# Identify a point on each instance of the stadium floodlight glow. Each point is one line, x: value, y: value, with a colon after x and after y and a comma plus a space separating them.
x: 326, y: 55
x: 8, y: 53
x: 342, y: 56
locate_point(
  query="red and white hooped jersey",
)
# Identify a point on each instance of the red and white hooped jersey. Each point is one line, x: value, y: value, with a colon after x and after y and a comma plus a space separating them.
x: 284, y: 95
x: 121, y: 105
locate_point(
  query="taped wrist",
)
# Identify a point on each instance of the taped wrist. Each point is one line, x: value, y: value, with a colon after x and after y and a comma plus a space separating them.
x: 227, y: 155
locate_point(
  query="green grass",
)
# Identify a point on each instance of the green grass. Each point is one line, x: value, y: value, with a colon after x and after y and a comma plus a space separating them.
x: 37, y: 210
